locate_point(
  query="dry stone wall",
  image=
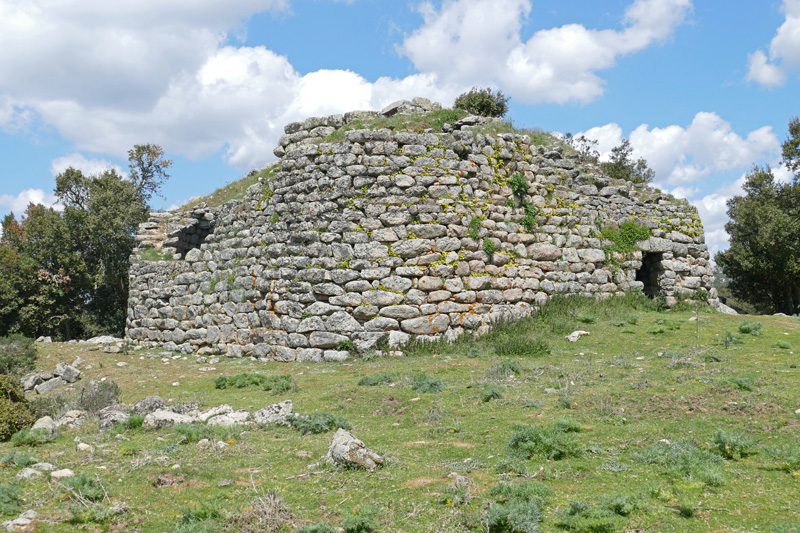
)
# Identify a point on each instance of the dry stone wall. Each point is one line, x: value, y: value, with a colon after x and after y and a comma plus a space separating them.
x: 398, y: 234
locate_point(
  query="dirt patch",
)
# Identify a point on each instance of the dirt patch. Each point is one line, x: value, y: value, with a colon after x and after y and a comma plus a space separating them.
x: 420, y: 482
x: 169, y: 480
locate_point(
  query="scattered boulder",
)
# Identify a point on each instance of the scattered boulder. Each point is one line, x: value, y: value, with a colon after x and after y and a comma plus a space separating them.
x: 86, y: 448
x: 111, y: 415
x: 68, y: 373
x: 44, y: 339
x: 21, y: 523
x: 575, y: 335
x: 103, y: 339
x: 276, y: 413
x: 72, y: 419
x: 149, y: 405
x: 237, y: 418
x: 347, y: 450
x: 214, y: 411
x: 27, y: 473
x: 64, y: 473
x: 162, y: 418
x: 50, y: 384
x: 46, y: 422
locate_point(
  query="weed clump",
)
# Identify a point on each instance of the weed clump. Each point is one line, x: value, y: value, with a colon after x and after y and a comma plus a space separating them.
x: 317, y: 423
x: 584, y: 517
x: 518, y: 506
x: 14, y: 416
x: 85, y: 486
x: 278, y: 384
x: 19, y: 354
x: 377, y: 379
x: 362, y: 519
x: 98, y: 395
x: 491, y: 392
x: 31, y: 437
x: 733, y: 444
x: 19, y: 459
x: 317, y: 528
x: 684, y: 460
x: 424, y: 383
x: 10, y: 499
x: 521, y: 346
x: 787, y: 457
x: 751, y: 328
x: 550, y: 442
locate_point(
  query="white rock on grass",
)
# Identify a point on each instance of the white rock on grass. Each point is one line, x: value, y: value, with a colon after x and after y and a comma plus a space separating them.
x: 162, y: 418
x: 64, y: 473
x: 46, y: 422
x: 575, y: 335
x: 43, y: 467
x: 72, y: 419
x: 27, y: 473
x: 83, y: 447
x: 276, y: 413
x: 347, y: 450
x: 21, y: 523
x: 237, y: 418
x: 214, y: 411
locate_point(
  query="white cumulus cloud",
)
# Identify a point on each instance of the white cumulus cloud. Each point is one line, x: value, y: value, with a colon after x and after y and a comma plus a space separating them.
x: 784, y: 50
x: 17, y: 204
x: 478, y: 42
x: 89, y: 167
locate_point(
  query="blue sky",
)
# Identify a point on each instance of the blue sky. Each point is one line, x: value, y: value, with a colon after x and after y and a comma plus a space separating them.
x: 704, y: 90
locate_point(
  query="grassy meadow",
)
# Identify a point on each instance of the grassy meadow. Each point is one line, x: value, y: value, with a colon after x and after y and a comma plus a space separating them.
x: 654, y: 421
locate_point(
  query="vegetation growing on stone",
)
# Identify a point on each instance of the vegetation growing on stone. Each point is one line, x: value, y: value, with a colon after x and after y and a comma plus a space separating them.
x: 483, y: 102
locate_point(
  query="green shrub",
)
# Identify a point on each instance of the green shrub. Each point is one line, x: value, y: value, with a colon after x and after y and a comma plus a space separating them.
x: 684, y: 460
x: 193, y: 514
x: 14, y: 416
x: 454, y: 495
x: 9, y: 499
x: 551, y: 443
x: 504, y: 370
x: 31, y: 437
x: 376, y: 379
x: 529, y: 220
x: 98, y: 395
x: 593, y: 518
x: 85, y: 486
x: 474, y: 228
x: 362, y: 519
x: 278, y: 384
x: 566, y: 401
x: 424, y: 383
x: 519, y: 184
x: 93, y: 514
x: 751, y: 328
x: 317, y: 423
x: 19, y: 459
x: 19, y: 354
x: 488, y: 247
x: 586, y: 318
x: 733, y: 444
x: 729, y: 339
x: 783, y: 345
x: 191, y: 433
x: 483, y: 102
x: 51, y: 405
x: 568, y: 425
x: 787, y: 456
x: 528, y: 491
x: 624, y: 503
x: 491, y: 392
x: 745, y: 383
x: 132, y: 423
x: 514, y: 517
x: 11, y: 388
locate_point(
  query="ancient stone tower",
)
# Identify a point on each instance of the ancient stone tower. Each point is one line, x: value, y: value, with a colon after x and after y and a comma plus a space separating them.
x: 366, y: 233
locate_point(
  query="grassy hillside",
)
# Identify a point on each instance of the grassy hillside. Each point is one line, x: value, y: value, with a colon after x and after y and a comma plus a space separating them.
x: 651, y: 422
x: 234, y: 190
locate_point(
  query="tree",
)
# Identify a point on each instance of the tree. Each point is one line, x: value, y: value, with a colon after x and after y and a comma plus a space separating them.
x: 148, y: 169
x: 622, y: 166
x: 791, y: 148
x: 483, y: 102
x: 763, y: 261
x: 66, y: 274
x: 42, y: 281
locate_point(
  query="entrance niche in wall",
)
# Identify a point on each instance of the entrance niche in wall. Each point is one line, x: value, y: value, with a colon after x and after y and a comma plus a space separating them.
x: 193, y: 235
x: 649, y: 272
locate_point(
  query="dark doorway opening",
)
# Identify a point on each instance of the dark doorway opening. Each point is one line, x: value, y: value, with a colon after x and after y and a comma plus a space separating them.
x: 648, y: 273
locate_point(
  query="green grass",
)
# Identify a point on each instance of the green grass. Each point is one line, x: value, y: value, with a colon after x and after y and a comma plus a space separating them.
x: 234, y: 190
x: 152, y: 254
x: 660, y: 435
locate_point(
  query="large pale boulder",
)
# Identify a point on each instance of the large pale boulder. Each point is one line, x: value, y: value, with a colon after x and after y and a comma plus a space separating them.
x: 347, y: 450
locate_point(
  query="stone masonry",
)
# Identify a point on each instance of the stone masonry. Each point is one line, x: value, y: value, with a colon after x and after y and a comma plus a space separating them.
x: 382, y: 233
